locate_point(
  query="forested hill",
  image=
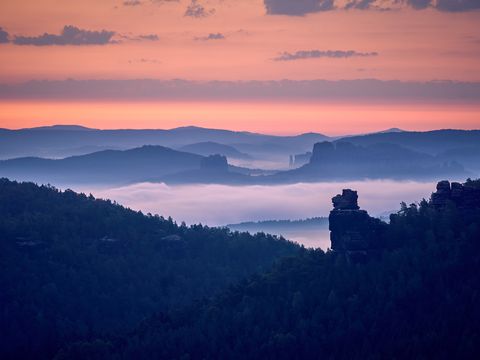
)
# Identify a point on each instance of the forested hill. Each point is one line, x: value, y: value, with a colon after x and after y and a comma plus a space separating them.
x: 75, y: 267
x: 418, y: 299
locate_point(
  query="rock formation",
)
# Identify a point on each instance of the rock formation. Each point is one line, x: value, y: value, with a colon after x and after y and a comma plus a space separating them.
x: 352, y: 231
x: 322, y: 151
x: 463, y: 196
x: 347, y: 201
x: 216, y: 163
x: 359, y: 236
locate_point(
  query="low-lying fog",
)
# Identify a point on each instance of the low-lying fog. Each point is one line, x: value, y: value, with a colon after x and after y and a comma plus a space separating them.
x: 215, y: 205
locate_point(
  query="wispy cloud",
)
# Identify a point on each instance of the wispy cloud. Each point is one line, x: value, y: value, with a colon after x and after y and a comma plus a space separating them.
x: 70, y: 35
x: 419, y: 4
x: 314, y: 54
x: 298, y: 7
x: 211, y: 36
x: 141, y: 37
x: 360, y: 4
x: 197, y: 10
x: 144, y: 61
x: 3, y: 36
x: 304, y: 7
x: 132, y: 3
x: 139, y: 2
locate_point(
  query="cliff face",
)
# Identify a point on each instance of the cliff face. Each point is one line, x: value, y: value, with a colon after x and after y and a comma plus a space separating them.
x: 463, y: 196
x: 344, y: 160
x: 352, y: 231
x: 217, y: 163
x: 357, y: 235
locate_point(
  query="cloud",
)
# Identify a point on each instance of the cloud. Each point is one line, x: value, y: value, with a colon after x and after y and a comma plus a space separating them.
x: 150, y: 37
x: 297, y: 7
x: 360, y: 4
x: 132, y: 3
x: 304, y: 7
x: 313, y: 54
x: 211, y: 36
x: 3, y: 36
x: 136, y: 37
x: 70, y: 35
x: 457, y: 5
x: 419, y: 4
x: 138, y: 2
x: 196, y: 10
x: 144, y: 61
x: 445, y: 5
x: 283, y: 90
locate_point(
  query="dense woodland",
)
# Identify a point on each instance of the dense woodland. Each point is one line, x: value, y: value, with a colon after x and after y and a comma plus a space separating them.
x: 419, y: 298
x: 75, y: 267
x: 84, y: 278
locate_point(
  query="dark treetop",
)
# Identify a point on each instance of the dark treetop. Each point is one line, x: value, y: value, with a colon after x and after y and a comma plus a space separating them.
x: 417, y: 298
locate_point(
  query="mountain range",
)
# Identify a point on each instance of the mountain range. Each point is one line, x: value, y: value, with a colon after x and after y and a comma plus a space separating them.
x: 65, y: 140
x: 394, y: 154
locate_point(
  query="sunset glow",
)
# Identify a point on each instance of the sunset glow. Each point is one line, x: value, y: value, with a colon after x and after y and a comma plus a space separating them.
x: 251, y: 40
x: 272, y: 118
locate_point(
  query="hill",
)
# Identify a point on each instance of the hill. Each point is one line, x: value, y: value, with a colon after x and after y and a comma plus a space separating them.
x: 76, y: 267
x: 213, y: 148
x: 416, y: 298
x: 343, y: 160
x: 108, y: 166
x: 119, y: 167
x: 64, y: 140
x: 430, y: 142
x: 329, y: 161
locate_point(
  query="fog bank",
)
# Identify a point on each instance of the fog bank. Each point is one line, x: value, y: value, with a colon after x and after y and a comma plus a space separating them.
x: 222, y: 204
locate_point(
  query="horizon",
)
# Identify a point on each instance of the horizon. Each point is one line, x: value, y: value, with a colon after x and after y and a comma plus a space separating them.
x: 81, y: 127
x: 334, y: 120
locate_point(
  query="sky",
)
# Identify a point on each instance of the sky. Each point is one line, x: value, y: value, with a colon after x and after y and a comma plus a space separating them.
x: 274, y: 66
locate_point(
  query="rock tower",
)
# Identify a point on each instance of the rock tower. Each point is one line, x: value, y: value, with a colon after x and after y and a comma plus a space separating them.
x: 352, y: 231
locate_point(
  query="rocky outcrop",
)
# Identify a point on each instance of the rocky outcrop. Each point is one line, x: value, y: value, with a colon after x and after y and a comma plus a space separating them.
x: 347, y: 201
x: 322, y: 152
x: 217, y: 163
x: 352, y: 231
x: 359, y: 236
x: 463, y: 196
x: 298, y: 160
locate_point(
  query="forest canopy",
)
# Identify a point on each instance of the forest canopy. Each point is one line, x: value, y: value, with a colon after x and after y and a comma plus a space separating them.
x: 417, y: 299
x: 76, y: 267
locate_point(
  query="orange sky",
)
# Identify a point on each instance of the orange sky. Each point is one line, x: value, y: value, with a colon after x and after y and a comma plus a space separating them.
x: 272, y: 118
x: 412, y: 45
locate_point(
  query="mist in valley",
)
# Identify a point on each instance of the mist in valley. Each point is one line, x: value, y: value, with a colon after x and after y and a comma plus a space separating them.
x: 218, y: 205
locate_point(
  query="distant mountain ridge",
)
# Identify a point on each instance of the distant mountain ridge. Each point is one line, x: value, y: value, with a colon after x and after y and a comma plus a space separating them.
x: 108, y: 166
x: 330, y: 161
x: 60, y: 127
x: 343, y: 160
x: 430, y: 142
x: 211, y: 148
x: 66, y: 140
x: 393, y: 154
